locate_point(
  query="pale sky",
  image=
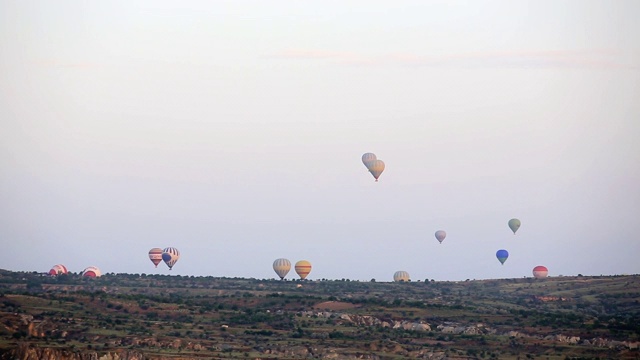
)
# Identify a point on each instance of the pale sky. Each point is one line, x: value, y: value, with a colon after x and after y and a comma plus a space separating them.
x: 233, y: 131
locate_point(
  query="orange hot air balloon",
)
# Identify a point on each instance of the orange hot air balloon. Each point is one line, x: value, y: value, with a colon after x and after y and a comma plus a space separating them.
x: 303, y: 268
x: 155, y: 255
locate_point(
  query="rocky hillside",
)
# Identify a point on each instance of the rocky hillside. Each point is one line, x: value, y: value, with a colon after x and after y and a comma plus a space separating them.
x: 125, y: 316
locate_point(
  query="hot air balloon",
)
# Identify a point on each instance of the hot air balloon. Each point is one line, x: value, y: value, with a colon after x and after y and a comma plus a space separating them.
x: 58, y: 269
x: 514, y: 225
x: 440, y: 235
x: 170, y: 256
x: 155, y: 255
x: 376, y: 168
x: 303, y: 268
x: 540, y: 272
x: 92, y: 272
x: 368, y: 159
x: 502, y: 256
x: 282, y: 267
x: 401, y: 276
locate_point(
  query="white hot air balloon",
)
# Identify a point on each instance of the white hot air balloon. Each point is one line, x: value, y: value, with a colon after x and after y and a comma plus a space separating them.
x: 368, y: 159
x: 282, y: 267
x: 170, y: 256
x: 440, y: 235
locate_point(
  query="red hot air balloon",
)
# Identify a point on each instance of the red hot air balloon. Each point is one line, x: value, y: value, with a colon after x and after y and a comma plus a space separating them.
x: 155, y: 255
x: 58, y: 269
x: 92, y: 272
x: 540, y: 272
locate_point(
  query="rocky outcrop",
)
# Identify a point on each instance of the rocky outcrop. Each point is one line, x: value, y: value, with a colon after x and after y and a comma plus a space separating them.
x: 367, y: 321
x: 563, y: 339
x: 26, y: 351
x: 454, y: 328
x: 415, y: 326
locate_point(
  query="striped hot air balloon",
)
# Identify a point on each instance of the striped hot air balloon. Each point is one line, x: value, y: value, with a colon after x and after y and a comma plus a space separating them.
x: 401, y: 276
x: 282, y: 267
x: 58, y: 269
x: 92, y: 271
x: 368, y: 159
x: 170, y: 256
x: 155, y: 255
x: 540, y: 272
x: 303, y: 268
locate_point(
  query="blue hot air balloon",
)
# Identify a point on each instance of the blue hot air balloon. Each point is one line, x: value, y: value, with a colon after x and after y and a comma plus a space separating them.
x: 502, y: 255
x: 170, y: 255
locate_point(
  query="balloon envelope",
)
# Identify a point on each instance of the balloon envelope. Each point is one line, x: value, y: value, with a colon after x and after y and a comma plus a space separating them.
x: 440, y: 235
x: 155, y: 255
x: 58, y: 269
x: 514, y: 225
x: 170, y: 256
x: 92, y: 271
x: 540, y: 272
x: 282, y: 267
x: 376, y: 169
x: 401, y: 276
x: 303, y: 268
x: 502, y: 256
x: 368, y: 159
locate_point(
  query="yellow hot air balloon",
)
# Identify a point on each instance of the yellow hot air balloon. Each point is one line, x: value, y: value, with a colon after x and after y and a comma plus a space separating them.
x: 376, y: 168
x: 401, y: 276
x: 303, y: 268
x: 282, y: 267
